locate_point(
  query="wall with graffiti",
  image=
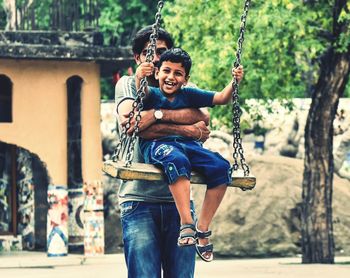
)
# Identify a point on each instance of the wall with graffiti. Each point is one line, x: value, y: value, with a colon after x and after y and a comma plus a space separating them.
x: 94, y: 219
x: 25, y: 192
x: 5, y: 190
x: 18, y: 200
x: 76, y: 219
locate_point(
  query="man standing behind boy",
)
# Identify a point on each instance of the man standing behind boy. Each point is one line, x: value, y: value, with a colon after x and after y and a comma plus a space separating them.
x: 149, y: 217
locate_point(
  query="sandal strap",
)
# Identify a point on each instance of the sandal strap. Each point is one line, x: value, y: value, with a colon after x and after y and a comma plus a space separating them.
x: 201, y: 234
x: 205, y: 234
x: 187, y: 235
x: 188, y: 226
x: 205, y: 248
x: 183, y: 236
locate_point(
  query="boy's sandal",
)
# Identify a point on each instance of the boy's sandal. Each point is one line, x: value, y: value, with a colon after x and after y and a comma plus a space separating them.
x: 203, y: 249
x: 191, y: 237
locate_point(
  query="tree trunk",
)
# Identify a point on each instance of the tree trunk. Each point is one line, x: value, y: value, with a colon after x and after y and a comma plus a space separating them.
x: 317, y: 226
x: 316, y: 218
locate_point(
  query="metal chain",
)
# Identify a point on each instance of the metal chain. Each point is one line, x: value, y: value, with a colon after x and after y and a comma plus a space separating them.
x: 137, y: 105
x: 236, y: 110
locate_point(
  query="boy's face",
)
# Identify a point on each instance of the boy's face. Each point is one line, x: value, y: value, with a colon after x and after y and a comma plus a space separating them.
x: 171, y: 77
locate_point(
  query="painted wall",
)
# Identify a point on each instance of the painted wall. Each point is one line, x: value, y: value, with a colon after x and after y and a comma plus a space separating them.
x: 40, y: 113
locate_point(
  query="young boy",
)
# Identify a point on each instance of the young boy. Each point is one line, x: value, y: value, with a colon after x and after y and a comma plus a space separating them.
x: 176, y: 155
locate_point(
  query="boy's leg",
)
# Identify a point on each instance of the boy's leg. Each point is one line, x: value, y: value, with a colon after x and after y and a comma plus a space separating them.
x: 211, y: 202
x: 180, y: 190
x: 171, y: 157
x: 217, y: 173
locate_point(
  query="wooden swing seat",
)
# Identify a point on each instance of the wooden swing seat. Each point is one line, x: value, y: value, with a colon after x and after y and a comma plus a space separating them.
x: 141, y: 171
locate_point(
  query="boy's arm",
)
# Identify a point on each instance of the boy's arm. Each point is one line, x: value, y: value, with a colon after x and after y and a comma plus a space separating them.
x: 225, y: 95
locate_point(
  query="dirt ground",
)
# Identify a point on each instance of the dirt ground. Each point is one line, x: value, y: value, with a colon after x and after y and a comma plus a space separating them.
x: 37, y: 265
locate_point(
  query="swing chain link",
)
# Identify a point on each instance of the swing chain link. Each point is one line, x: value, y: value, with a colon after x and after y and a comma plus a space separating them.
x: 137, y: 105
x: 236, y: 110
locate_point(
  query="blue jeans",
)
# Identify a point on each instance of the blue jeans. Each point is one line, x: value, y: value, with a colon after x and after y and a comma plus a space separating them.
x: 150, y: 232
x: 178, y: 157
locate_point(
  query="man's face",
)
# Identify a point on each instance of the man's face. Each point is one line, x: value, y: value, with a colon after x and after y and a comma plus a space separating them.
x: 160, y: 48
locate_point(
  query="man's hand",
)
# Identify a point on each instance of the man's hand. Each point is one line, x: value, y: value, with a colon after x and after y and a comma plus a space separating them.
x: 200, y: 131
x: 144, y: 69
x: 147, y: 119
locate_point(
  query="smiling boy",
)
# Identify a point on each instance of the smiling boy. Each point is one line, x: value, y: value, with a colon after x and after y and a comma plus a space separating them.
x: 177, y: 155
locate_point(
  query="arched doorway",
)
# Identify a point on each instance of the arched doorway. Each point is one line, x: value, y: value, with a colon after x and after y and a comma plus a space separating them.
x: 23, y: 198
x: 75, y: 178
x: 5, y: 99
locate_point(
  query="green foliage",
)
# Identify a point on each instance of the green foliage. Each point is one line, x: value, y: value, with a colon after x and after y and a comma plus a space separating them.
x: 343, y: 43
x: 120, y: 21
x: 347, y: 90
x: 2, y: 16
x: 42, y: 14
x: 281, y: 48
x: 107, y: 88
x: 109, y: 22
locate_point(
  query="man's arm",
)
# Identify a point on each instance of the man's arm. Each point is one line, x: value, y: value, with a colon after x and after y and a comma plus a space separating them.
x: 198, y: 131
x: 185, y: 119
x: 179, y: 116
x: 186, y: 116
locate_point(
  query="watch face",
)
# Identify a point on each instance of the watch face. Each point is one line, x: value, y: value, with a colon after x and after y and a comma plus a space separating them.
x: 158, y: 114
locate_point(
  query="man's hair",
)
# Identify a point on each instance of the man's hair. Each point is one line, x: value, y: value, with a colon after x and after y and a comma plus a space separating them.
x: 142, y: 37
x: 177, y: 55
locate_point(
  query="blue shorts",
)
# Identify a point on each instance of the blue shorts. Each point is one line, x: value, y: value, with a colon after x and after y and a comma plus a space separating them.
x: 178, y: 157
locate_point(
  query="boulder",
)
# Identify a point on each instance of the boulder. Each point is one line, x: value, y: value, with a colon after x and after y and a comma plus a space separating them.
x: 266, y: 221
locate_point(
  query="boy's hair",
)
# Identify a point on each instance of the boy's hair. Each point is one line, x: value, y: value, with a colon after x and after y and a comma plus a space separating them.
x: 177, y: 55
x: 142, y: 37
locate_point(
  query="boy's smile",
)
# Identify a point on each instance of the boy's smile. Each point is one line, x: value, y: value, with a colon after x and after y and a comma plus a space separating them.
x: 172, y: 77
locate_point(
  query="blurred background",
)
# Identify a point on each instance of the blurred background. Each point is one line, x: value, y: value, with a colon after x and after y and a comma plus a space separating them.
x: 60, y: 61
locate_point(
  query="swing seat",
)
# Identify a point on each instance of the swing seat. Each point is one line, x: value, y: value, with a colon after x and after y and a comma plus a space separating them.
x: 141, y: 171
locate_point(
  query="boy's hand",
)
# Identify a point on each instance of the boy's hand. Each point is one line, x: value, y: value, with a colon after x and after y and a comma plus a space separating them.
x: 144, y: 69
x: 238, y: 73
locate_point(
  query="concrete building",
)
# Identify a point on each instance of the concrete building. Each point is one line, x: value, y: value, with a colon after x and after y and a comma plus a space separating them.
x: 50, y: 138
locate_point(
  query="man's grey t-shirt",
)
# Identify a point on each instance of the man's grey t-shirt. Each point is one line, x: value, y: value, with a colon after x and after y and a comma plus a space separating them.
x: 138, y: 190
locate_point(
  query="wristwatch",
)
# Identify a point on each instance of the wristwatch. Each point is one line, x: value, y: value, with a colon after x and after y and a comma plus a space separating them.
x: 158, y: 114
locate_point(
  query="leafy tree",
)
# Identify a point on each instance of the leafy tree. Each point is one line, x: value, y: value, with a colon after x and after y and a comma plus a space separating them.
x: 120, y: 21
x: 280, y: 56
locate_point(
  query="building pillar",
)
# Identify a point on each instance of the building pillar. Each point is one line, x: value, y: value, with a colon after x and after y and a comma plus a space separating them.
x: 76, y: 220
x: 93, y: 219
x: 57, y: 221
